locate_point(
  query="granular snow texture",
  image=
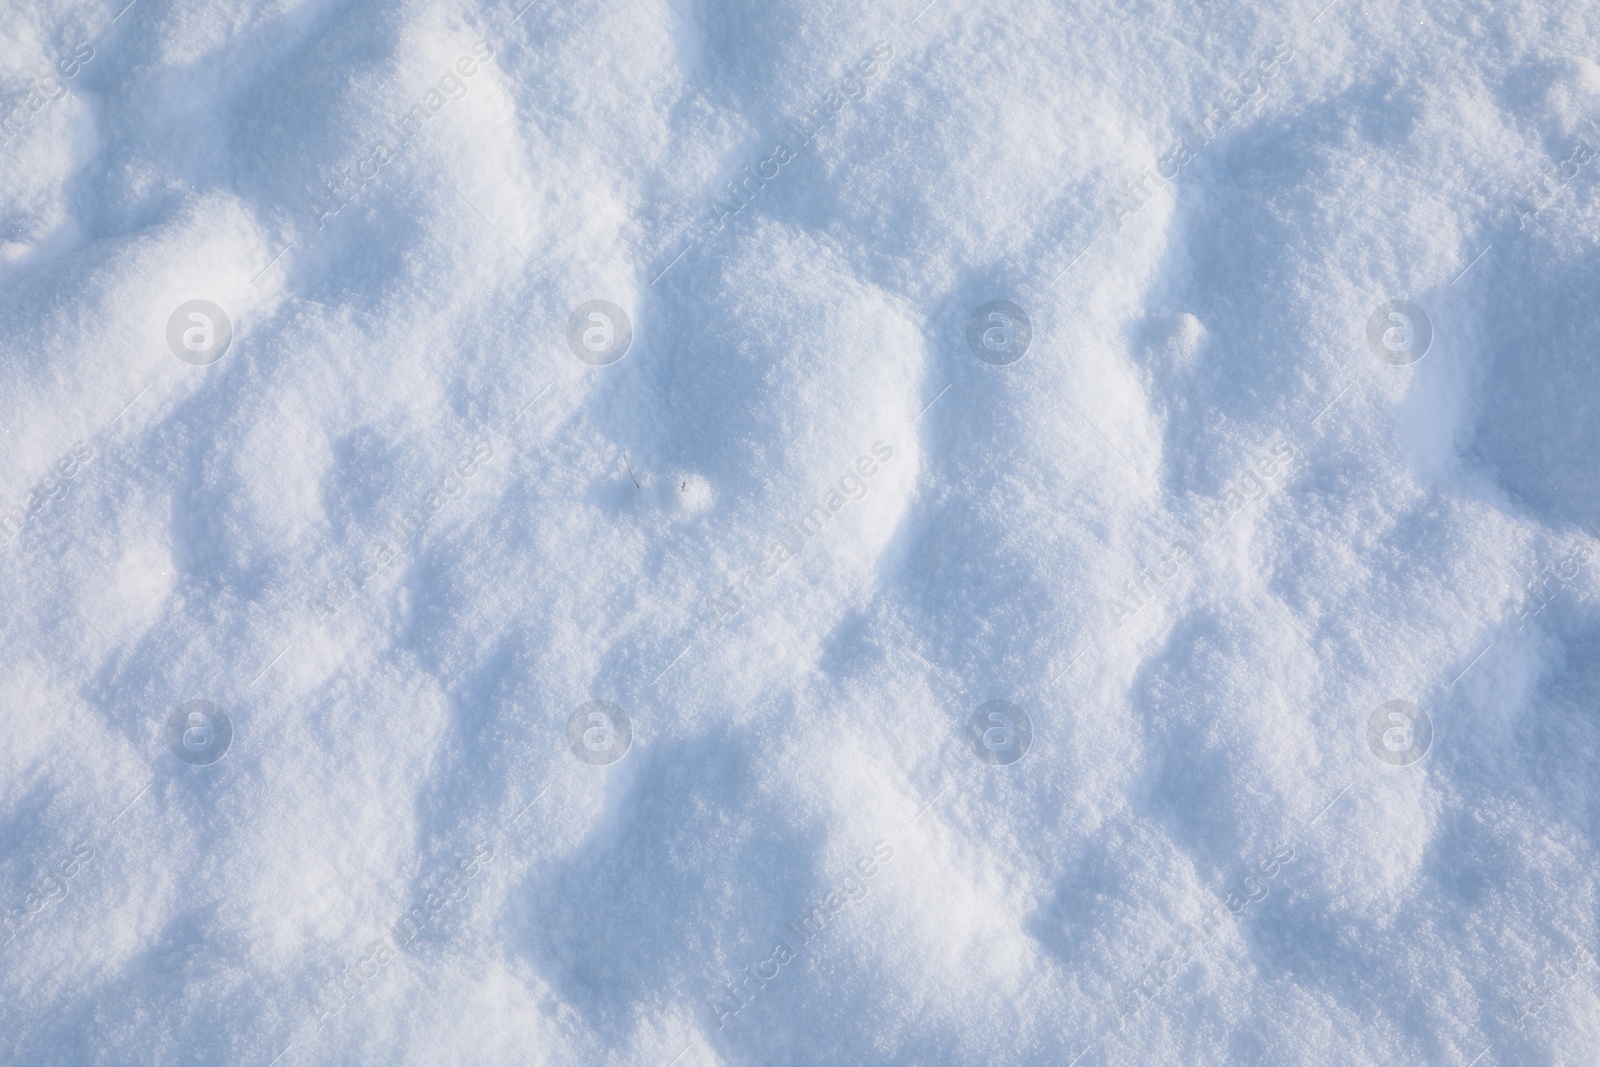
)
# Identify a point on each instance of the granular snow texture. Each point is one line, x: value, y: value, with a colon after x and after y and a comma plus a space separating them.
x: 799, y: 532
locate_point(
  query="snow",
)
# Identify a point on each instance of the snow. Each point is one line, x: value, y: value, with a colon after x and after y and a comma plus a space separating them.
x: 1196, y: 664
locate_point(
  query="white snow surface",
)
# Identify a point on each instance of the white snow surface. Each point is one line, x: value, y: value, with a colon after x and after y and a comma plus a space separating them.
x: 1199, y: 534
